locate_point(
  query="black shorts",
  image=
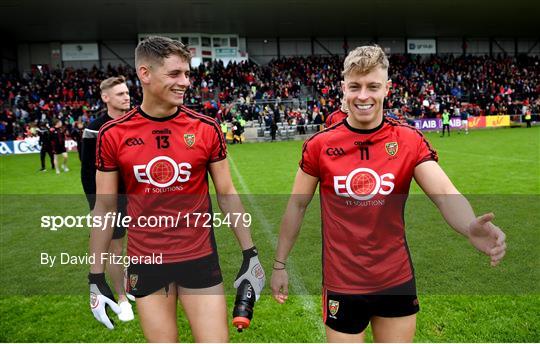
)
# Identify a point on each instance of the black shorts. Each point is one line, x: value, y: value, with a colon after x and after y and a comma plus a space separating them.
x: 60, y: 150
x: 348, y: 313
x: 119, y: 232
x: 146, y: 279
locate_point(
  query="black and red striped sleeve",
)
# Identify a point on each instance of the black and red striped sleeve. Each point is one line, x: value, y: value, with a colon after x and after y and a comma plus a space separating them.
x: 425, y: 151
x: 106, y: 150
x: 310, y: 157
x: 218, y: 147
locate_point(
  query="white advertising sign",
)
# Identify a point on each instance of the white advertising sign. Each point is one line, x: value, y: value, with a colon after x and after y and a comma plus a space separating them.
x: 80, y: 52
x: 421, y: 46
x: 26, y: 146
x: 29, y: 145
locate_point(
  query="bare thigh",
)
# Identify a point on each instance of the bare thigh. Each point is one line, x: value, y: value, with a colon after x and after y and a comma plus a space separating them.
x: 395, y: 330
x: 333, y: 336
x: 206, y: 311
x: 157, y: 313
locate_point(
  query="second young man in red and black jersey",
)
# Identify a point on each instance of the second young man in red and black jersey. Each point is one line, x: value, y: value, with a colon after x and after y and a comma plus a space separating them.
x: 335, y: 117
x: 364, y: 166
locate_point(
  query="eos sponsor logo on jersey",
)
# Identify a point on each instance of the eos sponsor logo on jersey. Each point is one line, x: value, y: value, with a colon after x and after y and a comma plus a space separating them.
x: 134, y: 141
x: 162, y: 172
x: 335, y: 151
x: 363, y: 183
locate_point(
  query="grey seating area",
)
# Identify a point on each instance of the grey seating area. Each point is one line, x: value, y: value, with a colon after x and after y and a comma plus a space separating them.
x: 286, y: 131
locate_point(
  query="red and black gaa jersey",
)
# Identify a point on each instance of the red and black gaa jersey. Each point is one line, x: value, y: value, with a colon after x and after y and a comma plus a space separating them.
x: 163, y: 163
x: 365, y: 177
x: 335, y: 117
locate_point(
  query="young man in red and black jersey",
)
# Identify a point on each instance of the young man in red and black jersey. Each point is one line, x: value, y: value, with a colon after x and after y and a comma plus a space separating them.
x: 364, y: 166
x: 163, y: 152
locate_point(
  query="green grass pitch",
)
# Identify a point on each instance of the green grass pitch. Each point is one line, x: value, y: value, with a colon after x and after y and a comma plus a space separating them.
x: 462, y: 299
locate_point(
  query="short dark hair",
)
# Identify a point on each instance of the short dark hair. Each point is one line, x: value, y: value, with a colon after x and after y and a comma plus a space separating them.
x: 157, y: 48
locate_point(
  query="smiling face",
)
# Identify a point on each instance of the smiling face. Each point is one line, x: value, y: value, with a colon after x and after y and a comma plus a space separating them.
x: 163, y: 69
x: 363, y: 94
x: 166, y: 82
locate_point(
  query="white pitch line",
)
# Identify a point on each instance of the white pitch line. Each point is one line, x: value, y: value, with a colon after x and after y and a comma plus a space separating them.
x: 296, y: 281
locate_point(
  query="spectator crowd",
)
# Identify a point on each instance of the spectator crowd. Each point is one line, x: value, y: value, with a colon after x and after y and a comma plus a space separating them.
x: 302, y: 90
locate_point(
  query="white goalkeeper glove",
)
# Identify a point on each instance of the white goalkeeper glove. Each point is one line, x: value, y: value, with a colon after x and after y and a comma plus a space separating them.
x: 252, y: 271
x: 102, y: 297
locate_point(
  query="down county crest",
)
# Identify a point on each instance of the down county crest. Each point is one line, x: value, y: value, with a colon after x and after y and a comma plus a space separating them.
x: 94, y: 301
x: 189, y: 139
x: 133, y: 278
x: 257, y: 271
x: 391, y: 148
x: 333, y: 306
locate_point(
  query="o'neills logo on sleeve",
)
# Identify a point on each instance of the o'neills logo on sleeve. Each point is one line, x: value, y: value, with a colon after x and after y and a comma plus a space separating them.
x: 162, y: 172
x: 363, y: 184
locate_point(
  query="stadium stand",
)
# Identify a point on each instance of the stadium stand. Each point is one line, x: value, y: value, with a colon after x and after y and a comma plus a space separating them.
x: 293, y: 90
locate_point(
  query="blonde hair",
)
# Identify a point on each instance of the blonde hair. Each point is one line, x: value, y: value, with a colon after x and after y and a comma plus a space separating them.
x: 155, y: 49
x: 111, y: 82
x: 365, y: 59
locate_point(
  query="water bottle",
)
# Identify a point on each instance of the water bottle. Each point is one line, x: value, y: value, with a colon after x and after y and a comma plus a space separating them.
x: 243, y: 306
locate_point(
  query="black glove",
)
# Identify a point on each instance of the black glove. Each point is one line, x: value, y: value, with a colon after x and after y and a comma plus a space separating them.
x: 252, y: 271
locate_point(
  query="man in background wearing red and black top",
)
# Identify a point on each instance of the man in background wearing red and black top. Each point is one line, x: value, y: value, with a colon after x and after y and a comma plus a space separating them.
x: 163, y: 153
x: 115, y: 95
x: 58, y: 143
x: 364, y: 166
x: 336, y: 116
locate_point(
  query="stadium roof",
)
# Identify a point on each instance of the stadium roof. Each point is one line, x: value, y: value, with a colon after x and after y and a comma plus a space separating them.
x: 90, y: 20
